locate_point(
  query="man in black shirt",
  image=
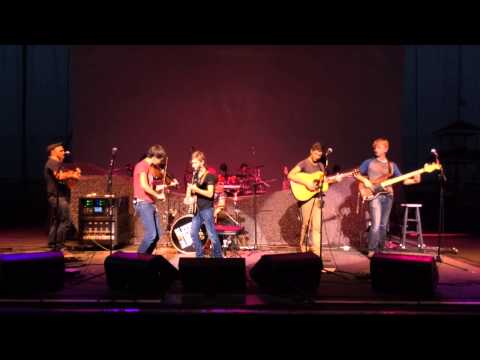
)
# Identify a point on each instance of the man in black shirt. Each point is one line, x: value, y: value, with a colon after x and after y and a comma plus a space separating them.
x: 204, y: 189
x: 58, y: 181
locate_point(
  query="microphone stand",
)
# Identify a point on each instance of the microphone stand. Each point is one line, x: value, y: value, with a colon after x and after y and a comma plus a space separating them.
x: 56, y: 216
x: 109, y: 194
x: 255, y: 212
x: 255, y: 184
x: 110, y: 172
x: 322, y: 203
x: 188, y: 169
x: 441, y: 211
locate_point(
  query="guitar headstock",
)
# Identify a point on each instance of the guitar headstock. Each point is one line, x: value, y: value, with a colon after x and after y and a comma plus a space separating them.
x: 432, y: 167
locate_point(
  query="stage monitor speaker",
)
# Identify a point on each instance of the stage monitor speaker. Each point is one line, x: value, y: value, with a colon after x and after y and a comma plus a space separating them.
x: 213, y: 275
x: 404, y: 273
x: 288, y: 273
x: 139, y: 273
x: 32, y: 272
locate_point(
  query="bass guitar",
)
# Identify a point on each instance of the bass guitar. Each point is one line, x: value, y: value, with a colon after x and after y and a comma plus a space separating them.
x: 368, y: 193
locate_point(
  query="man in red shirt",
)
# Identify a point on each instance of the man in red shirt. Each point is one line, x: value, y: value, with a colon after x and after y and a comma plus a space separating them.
x: 145, y: 196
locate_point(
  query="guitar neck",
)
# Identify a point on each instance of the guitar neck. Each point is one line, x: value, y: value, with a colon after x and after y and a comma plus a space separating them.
x: 401, y: 177
x: 349, y: 173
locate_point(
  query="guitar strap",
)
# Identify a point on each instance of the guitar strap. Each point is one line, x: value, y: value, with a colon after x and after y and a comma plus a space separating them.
x: 390, y: 169
x: 202, y: 179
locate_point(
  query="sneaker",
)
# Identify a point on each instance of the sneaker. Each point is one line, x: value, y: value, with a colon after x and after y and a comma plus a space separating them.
x: 56, y: 247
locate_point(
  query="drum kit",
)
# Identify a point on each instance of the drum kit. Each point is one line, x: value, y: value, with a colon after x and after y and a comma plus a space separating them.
x: 247, y: 182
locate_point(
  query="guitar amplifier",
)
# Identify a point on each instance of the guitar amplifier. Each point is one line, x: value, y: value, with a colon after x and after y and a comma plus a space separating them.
x: 104, y: 221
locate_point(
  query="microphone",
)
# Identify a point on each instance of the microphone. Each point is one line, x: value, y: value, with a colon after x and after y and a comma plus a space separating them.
x: 114, y: 152
x: 67, y: 153
x: 442, y: 173
x: 329, y: 151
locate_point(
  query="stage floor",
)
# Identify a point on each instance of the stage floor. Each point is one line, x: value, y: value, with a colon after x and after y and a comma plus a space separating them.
x: 345, y: 285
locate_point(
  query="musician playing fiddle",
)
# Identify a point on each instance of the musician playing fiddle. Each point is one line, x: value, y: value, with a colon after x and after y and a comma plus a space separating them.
x: 146, y: 191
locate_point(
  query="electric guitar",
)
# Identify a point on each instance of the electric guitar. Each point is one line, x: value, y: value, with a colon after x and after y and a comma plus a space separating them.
x: 378, y: 186
x: 300, y: 191
x: 191, y: 200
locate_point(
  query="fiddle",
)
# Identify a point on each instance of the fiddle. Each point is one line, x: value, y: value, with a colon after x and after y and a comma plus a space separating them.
x: 162, y: 179
x: 159, y: 174
x: 156, y: 171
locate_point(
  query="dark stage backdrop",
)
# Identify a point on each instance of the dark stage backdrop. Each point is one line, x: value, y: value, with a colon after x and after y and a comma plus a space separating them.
x: 263, y: 105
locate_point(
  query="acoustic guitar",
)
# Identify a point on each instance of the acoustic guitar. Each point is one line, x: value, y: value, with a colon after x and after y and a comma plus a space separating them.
x: 302, y: 193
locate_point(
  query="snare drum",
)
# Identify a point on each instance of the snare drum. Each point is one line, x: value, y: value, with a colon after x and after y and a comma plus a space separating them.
x: 181, y: 235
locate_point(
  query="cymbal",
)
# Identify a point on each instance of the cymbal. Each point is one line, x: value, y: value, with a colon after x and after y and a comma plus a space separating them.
x: 231, y: 186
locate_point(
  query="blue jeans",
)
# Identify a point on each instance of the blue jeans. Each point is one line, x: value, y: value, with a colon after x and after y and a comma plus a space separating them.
x: 380, y: 209
x: 205, y: 216
x: 60, y: 221
x: 151, y: 226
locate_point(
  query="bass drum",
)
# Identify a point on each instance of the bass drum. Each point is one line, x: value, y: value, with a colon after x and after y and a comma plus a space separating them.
x: 181, y: 237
